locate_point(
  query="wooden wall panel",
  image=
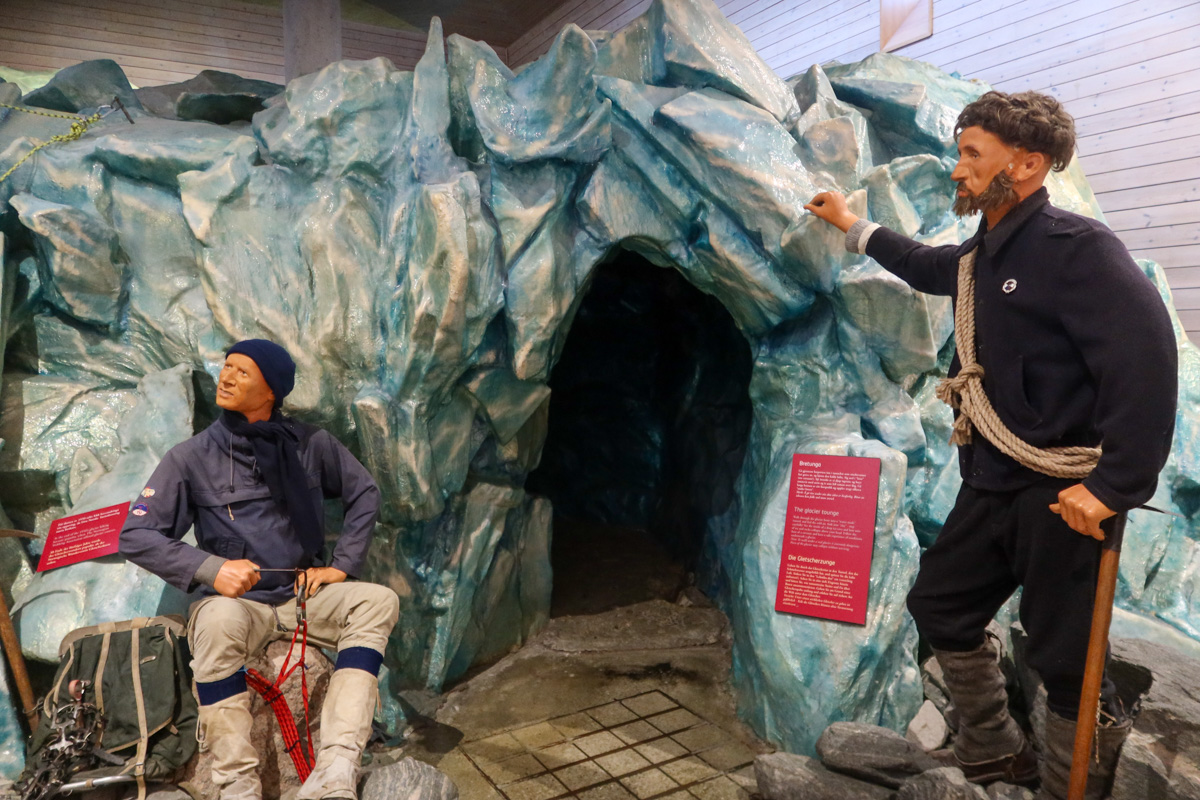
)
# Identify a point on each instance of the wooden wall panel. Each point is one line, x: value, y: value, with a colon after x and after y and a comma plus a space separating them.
x: 587, y: 14
x: 1128, y: 70
x: 156, y: 42
x: 402, y: 48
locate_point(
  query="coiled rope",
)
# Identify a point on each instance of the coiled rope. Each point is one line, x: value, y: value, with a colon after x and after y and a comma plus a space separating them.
x: 964, y: 393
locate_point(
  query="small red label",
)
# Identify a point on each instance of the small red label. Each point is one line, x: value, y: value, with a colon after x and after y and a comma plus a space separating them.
x: 83, y: 536
x: 829, y: 537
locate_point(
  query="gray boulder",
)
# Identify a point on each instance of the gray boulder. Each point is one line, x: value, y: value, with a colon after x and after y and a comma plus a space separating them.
x: 408, y: 779
x: 211, y: 96
x: 1169, y: 685
x: 786, y: 776
x: 1161, y: 758
x: 1149, y: 768
x: 1006, y: 791
x: 928, y: 729
x: 872, y: 753
x: 86, y: 85
x: 944, y: 783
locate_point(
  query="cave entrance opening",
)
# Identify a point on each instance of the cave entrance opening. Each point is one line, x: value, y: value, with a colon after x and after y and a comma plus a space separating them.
x: 649, y: 417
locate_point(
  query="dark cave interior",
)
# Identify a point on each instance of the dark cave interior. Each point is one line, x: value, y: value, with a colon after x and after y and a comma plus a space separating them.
x: 649, y: 417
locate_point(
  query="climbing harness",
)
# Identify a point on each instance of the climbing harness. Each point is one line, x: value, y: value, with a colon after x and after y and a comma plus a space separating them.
x: 273, y: 695
x: 79, y: 126
x: 964, y: 393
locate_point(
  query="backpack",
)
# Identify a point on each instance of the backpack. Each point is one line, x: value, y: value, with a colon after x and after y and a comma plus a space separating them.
x: 134, y: 719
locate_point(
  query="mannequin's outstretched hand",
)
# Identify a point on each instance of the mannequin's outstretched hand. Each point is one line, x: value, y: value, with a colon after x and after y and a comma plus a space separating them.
x: 831, y: 207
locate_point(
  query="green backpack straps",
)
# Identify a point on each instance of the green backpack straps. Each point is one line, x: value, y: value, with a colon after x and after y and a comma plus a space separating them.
x: 139, y: 685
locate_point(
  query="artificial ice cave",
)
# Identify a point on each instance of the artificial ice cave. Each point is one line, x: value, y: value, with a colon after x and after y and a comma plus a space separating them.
x: 607, y: 246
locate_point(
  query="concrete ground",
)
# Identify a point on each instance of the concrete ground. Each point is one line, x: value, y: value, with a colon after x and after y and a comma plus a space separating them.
x: 630, y: 701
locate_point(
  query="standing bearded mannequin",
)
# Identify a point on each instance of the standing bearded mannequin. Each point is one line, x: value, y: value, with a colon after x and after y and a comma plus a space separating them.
x: 253, y: 485
x: 1074, y: 348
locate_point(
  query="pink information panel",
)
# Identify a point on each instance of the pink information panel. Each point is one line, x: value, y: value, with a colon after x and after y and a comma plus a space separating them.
x: 82, y: 536
x: 829, y: 536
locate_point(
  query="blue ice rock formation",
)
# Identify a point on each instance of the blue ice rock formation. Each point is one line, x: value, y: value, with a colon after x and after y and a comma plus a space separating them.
x: 58, y: 601
x: 12, y: 737
x: 422, y: 243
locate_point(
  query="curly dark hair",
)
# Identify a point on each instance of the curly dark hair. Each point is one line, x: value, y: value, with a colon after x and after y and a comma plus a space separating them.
x: 1031, y: 120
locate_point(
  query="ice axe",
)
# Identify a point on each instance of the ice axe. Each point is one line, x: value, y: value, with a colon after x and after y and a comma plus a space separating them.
x: 12, y: 648
x: 1097, y: 653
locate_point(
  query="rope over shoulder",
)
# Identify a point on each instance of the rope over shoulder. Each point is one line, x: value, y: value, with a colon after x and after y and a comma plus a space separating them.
x: 964, y: 393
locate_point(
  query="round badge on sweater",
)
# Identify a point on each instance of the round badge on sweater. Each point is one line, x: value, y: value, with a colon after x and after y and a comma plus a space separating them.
x: 1009, y: 285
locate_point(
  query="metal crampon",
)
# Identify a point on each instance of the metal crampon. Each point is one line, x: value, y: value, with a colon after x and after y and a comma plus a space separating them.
x: 76, y: 728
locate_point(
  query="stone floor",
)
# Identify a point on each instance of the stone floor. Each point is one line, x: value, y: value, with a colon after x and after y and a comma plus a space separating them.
x: 630, y: 702
x: 643, y: 746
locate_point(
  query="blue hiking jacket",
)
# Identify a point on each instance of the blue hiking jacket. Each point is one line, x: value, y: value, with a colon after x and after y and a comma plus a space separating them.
x: 211, y: 482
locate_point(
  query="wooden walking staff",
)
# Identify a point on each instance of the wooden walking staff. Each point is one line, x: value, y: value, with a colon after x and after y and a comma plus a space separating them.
x: 12, y: 649
x: 1097, y: 655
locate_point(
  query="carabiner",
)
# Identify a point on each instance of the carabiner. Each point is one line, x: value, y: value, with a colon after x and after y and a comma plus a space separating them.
x: 301, y: 597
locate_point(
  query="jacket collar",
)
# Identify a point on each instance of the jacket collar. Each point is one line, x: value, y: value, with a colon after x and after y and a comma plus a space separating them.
x: 1013, y: 221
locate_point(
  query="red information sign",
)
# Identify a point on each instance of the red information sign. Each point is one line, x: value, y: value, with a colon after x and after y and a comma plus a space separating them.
x: 88, y: 535
x: 829, y: 536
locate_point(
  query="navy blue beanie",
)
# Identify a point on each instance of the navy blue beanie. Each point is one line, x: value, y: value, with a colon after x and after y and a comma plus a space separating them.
x: 273, y: 362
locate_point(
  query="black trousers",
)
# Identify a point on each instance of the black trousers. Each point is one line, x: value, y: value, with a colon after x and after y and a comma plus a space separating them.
x: 993, y: 543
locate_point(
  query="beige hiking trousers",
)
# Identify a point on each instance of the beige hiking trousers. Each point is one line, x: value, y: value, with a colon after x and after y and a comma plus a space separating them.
x: 224, y: 633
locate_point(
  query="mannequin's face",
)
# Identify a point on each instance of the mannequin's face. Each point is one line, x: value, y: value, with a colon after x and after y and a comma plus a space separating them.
x: 992, y: 176
x: 241, y: 387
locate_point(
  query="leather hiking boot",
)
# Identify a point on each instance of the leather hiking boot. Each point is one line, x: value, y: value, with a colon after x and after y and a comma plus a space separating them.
x: 1059, y: 749
x: 1020, y: 768
x: 990, y: 745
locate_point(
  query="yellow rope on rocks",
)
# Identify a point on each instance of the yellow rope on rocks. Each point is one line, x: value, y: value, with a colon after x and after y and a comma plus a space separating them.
x: 964, y: 393
x: 78, y: 127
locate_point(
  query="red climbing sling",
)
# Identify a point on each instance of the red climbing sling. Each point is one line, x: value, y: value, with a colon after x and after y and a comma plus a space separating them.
x: 273, y: 695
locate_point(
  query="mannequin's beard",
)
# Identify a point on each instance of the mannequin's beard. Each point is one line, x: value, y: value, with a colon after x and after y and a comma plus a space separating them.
x: 998, y: 194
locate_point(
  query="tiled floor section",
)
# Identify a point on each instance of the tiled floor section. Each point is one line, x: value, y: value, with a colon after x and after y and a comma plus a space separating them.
x: 641, y: 747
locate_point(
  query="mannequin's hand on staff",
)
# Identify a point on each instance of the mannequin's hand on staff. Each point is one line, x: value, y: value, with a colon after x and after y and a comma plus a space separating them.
x: 316, y: 577
x: 831, y: 207
x: 1080, y: 509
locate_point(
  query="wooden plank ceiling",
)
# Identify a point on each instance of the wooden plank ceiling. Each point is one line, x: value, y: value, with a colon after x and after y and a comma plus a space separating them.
x: 497, y: 22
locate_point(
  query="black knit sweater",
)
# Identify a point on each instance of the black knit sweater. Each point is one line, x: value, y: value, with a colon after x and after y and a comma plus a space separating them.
x: 1075, y: 342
